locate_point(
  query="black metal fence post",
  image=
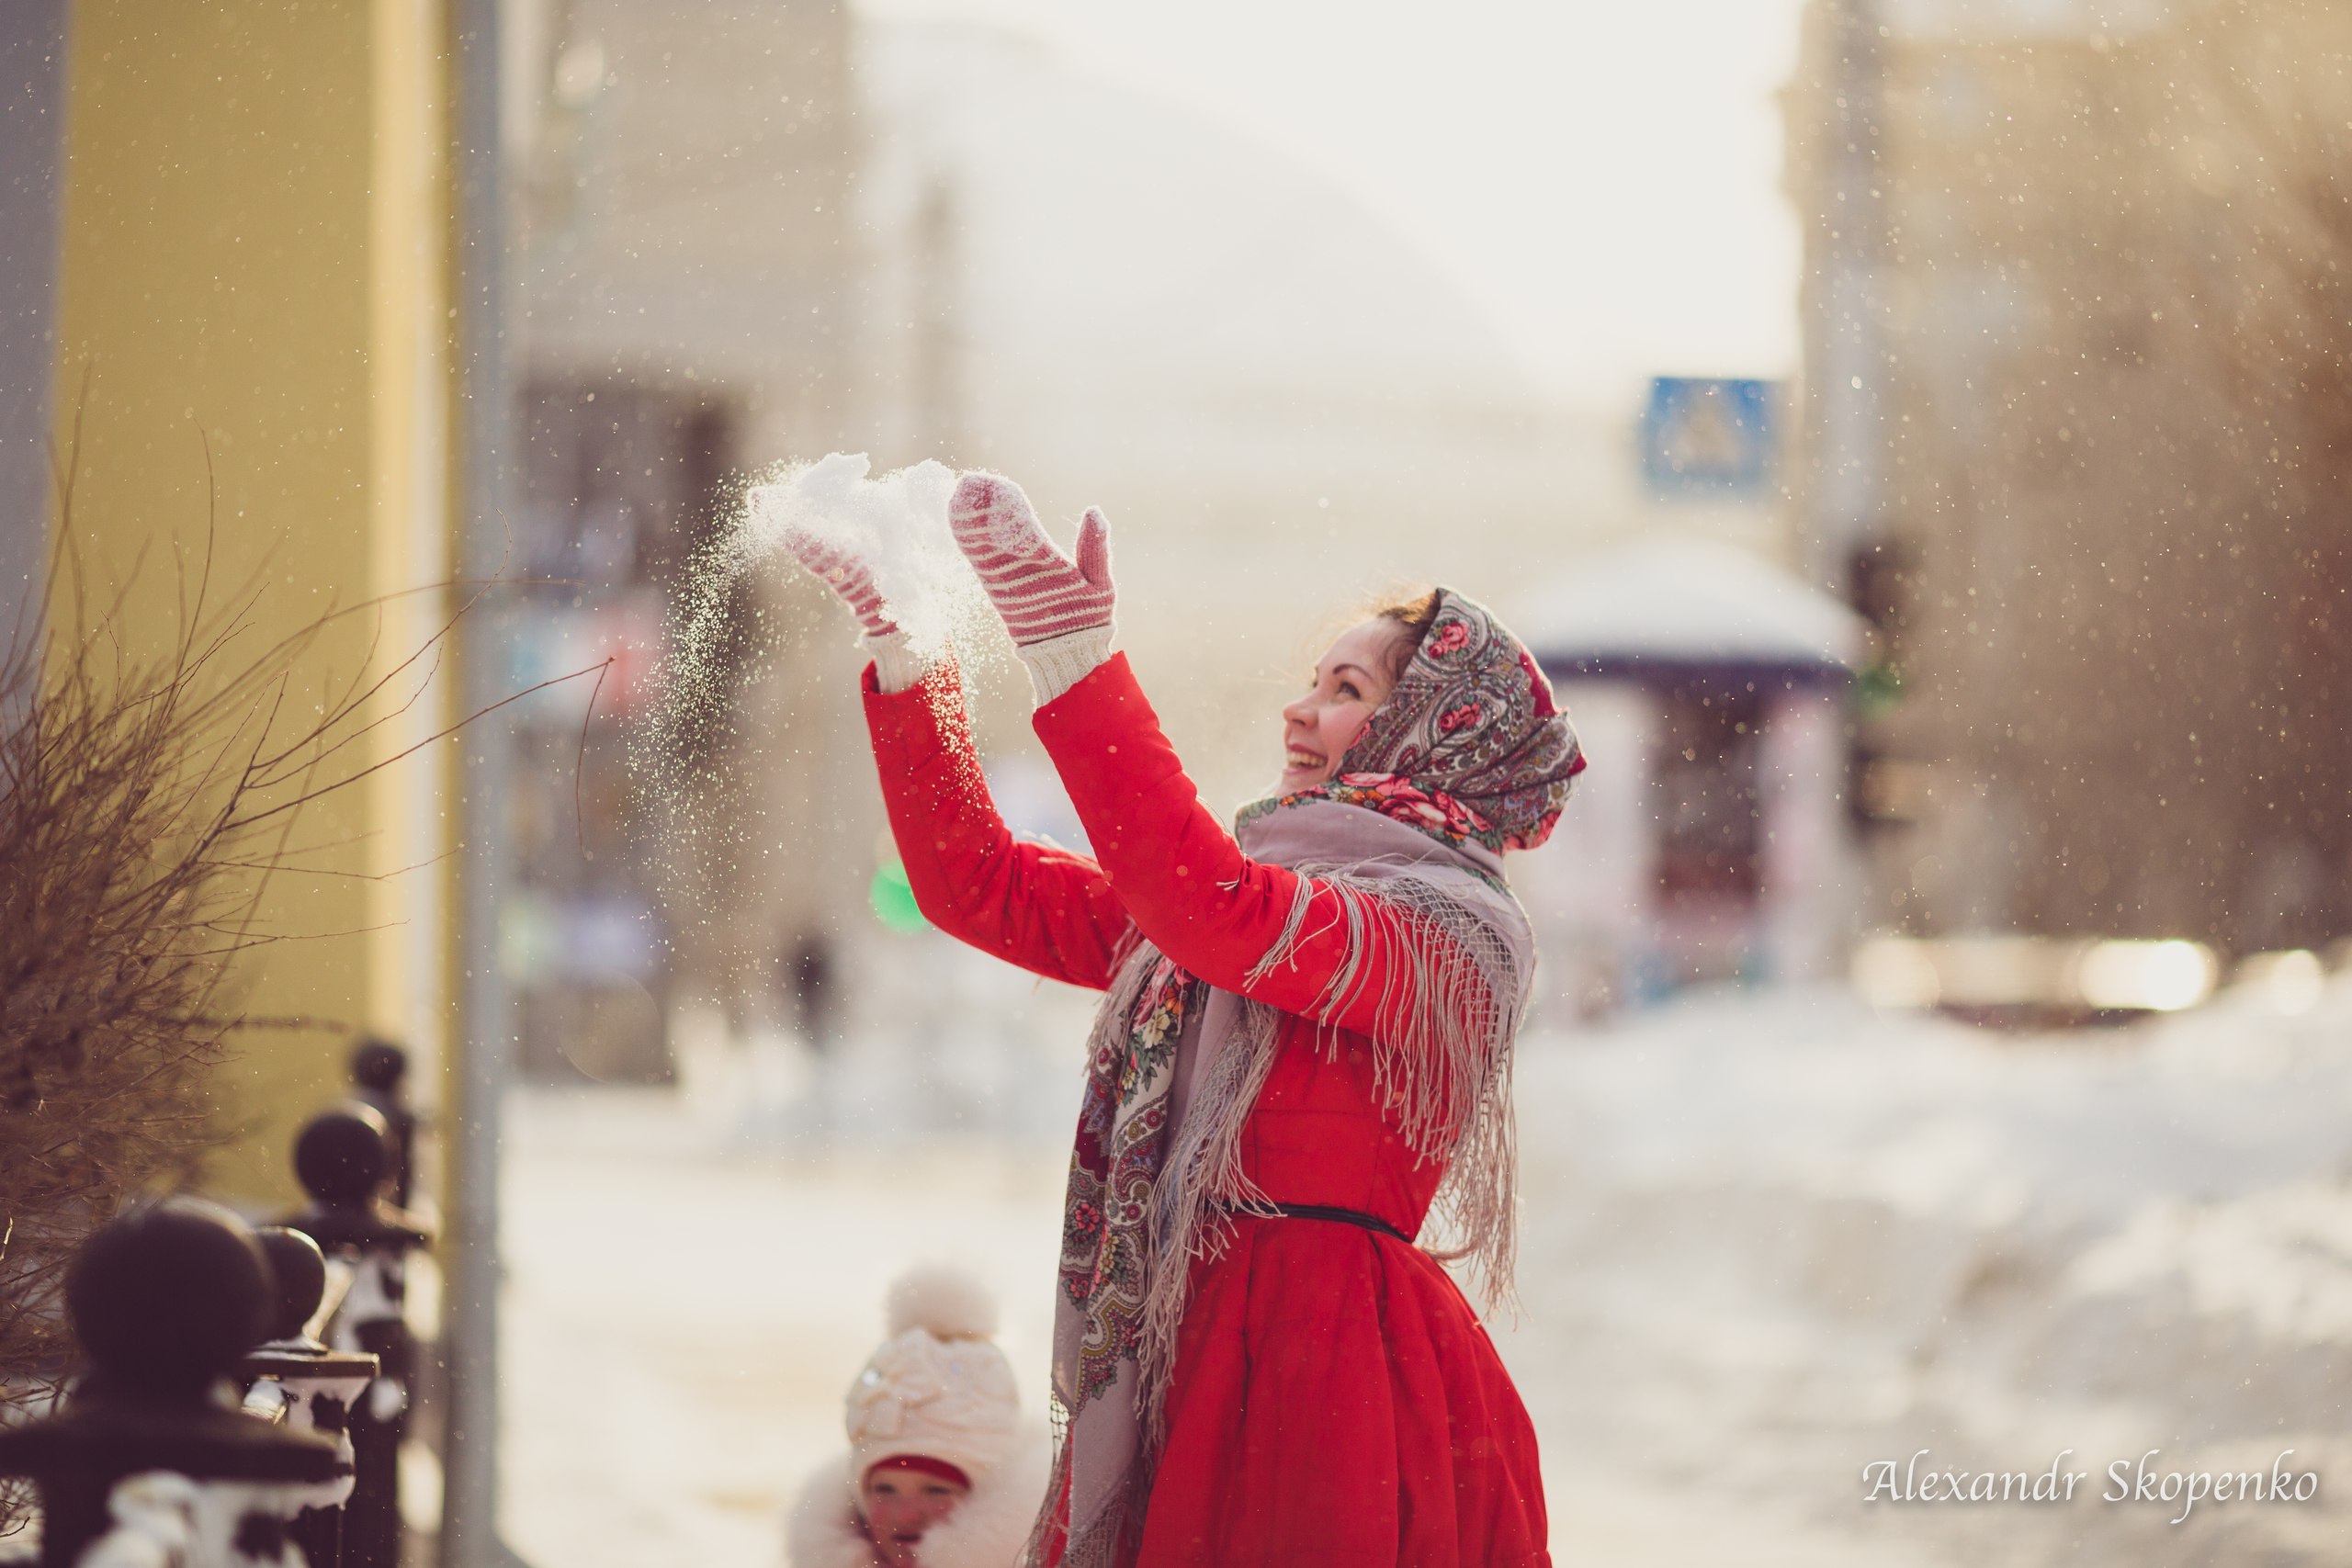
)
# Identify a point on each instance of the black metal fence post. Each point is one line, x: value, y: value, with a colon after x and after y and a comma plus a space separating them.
x: 342, y: 1159
x: 150, y: 1459
x: 298, y: 1380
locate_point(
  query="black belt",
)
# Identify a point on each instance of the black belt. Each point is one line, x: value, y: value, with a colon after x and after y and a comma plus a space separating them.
x: 1318, y: 1211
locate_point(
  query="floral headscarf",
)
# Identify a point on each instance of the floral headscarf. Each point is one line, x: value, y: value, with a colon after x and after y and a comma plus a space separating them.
x: 1471, y: 745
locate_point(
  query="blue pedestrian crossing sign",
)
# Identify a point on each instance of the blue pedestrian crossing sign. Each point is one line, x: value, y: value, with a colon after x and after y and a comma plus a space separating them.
x: 1710, y: 438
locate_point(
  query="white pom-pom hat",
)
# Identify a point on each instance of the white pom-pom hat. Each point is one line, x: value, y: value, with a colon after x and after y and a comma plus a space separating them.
x: 938, y: 1389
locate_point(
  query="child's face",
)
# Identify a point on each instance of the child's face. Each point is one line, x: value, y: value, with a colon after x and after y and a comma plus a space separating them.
x: 901, y: 1504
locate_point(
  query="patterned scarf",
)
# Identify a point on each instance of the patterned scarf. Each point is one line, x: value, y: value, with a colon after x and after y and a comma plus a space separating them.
x: 1468, y: 757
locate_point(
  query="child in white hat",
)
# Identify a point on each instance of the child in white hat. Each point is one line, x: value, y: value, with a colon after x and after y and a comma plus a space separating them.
x: 940, y: 1473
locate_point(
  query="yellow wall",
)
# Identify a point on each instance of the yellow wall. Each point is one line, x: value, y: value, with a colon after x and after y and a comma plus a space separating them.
x: 254, y: 248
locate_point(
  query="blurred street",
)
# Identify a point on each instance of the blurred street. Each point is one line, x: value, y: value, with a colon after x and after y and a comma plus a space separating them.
x: 720, y: 1302
x: 1767, y: 1242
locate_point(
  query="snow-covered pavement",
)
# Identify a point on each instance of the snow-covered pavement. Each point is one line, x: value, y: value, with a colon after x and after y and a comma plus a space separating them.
x: 1769, y: 1240
x: 682, y: 1320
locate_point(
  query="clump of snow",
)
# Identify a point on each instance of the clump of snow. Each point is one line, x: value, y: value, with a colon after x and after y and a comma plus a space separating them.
x: 896, y: 525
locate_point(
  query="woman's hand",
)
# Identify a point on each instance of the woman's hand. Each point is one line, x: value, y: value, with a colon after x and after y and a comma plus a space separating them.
x: 1041, y: 593
x: 896, y: 666
x: 846, y: 573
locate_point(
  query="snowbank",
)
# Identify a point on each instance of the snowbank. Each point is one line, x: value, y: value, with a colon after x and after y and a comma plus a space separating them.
x: 1771, y: 1241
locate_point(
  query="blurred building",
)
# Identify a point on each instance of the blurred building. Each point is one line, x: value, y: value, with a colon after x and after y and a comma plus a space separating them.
x: 1708, y: 842
x: 2075, y: 309
x: 32, y: 142
x: 1283, y: 407
x: 786, y: 234
x: 684, y: 273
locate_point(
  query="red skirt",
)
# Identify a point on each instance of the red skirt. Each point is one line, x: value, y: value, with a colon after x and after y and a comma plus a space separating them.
x: 1335, y: 1401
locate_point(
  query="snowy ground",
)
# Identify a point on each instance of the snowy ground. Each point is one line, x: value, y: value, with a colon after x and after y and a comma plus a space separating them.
x: 681, y: 1323
x: 1768, y: 1241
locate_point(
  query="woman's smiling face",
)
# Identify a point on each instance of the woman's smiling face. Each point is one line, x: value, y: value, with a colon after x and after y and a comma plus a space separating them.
x: 1350, y: 684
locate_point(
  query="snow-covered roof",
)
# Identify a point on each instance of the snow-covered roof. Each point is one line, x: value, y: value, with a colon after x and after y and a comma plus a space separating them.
x: 1675, y: 601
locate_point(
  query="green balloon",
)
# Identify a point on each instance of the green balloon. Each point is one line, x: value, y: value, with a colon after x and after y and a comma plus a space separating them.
x: 893, y: 897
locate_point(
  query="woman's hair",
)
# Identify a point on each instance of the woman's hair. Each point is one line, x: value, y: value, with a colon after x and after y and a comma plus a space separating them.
x: 1412, y: 613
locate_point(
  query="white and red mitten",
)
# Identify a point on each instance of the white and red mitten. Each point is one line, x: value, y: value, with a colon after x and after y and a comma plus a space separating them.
x: 896, y: 667
x: 1058, y: 609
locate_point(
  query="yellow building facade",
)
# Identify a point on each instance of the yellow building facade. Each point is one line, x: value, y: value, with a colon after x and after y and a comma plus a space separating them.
x: 253, y: 205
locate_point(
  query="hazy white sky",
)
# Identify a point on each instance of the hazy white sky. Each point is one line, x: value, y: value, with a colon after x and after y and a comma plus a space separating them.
x: 1602, y: 178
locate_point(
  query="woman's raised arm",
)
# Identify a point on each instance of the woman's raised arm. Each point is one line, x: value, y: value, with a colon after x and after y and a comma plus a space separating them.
x: 1047, y: 910
x: 1050, y: 911
x: 1190, y: 889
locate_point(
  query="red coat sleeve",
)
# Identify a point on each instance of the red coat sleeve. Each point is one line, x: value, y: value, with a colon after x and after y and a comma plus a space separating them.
x: 1047, y: 910
x: 1187, y: 884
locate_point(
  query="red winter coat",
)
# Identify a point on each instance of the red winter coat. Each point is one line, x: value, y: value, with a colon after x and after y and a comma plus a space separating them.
x: 1334, y: 1399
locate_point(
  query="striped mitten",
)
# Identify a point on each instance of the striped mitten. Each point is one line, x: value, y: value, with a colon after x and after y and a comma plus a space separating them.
x: 1058, y: 609
x: 896, y: 666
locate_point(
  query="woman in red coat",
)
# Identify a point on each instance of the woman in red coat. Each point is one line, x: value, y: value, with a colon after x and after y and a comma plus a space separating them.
x: 1304, y: 1050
